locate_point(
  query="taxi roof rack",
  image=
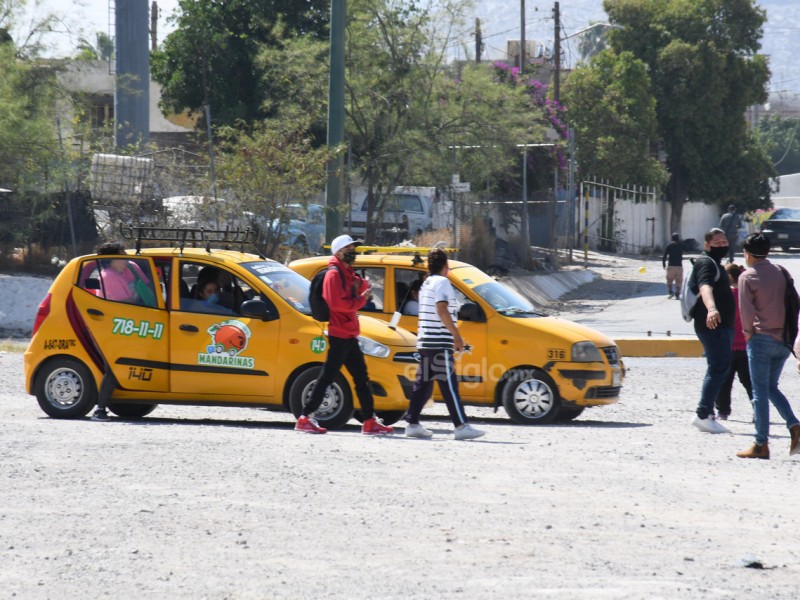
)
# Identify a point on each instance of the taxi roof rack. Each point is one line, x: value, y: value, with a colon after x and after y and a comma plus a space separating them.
x: 415, y: 250
x: 192, y: 235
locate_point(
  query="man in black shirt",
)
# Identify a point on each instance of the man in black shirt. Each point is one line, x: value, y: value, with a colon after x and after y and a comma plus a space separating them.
x: 672, y: 261
x: 714, y: 318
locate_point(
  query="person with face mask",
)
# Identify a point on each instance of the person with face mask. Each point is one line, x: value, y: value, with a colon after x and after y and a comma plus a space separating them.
x: 346, y: 293
x: 714, y: 318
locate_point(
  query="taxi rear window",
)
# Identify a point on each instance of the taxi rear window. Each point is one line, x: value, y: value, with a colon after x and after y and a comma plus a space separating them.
x: 127, y: 280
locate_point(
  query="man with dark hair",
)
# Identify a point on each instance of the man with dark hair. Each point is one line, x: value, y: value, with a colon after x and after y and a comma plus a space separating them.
x: 674, y: 267
x: 730, y: 223
x: 438, y: 339
x: 763, y: 310
x: 714, y: 317
x: 346, y: 293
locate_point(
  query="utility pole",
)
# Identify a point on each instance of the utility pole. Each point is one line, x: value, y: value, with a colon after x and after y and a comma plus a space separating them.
x: 522, y: 37
x: 557, y: 54
x: 478, y: 41
x: 334, y: 190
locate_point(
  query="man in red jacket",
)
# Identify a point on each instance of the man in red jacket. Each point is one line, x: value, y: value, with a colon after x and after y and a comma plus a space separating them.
x: 345, y: 292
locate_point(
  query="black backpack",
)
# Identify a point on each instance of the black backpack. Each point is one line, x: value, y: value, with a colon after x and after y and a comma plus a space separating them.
x: 792, y: 303
x: 319, y: 307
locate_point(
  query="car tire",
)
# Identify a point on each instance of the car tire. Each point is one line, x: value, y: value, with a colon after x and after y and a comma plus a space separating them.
x: 337, y: 406
x: 389, y: 417
x: 125, y: 410
x: 530, y: 397
x: 570, y: 413
x: 65, y: 388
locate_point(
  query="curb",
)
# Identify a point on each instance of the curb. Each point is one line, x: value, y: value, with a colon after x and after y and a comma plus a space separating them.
x: 660, y: 348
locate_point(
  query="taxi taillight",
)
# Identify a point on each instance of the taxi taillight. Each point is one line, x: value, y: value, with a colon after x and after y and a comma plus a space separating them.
x: 41, y: 315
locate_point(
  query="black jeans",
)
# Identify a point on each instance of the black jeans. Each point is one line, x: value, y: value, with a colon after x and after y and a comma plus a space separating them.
x: 347, y: 352
x: 740, y: 367
x: 436, y: 365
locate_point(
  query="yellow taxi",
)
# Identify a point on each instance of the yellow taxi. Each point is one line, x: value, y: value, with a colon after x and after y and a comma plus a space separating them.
x: 539, y: 368
x: 254, y: 344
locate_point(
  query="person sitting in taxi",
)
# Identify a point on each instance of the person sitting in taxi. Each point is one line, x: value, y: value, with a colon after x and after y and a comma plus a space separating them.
x: 120, y: 276
x: 207, y: 300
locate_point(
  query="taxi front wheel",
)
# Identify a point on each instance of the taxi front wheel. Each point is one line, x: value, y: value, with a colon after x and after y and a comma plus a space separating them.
x: 530, y: 397
x: 337, y: 405
x: 65, y: 389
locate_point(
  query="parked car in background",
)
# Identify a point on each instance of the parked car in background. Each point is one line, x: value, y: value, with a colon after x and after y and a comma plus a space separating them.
x: 407, y: 212
x: 782, y: 228
x: 539, y: 368
x: 257, y: 346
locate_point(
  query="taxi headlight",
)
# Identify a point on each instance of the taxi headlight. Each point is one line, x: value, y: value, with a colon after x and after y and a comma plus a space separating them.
x: 585, y: 352
x: 373, y: 348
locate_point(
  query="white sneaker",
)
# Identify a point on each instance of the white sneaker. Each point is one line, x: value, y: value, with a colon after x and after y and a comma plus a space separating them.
x: 467, y: 432
x: 415, y: 430
x: 709, y: 425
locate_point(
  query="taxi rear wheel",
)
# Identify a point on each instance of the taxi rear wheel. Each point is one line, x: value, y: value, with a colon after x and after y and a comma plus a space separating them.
x: 126, y: 410
x: 65, y: 389
x: 337, y: 405
x: 530, y: 397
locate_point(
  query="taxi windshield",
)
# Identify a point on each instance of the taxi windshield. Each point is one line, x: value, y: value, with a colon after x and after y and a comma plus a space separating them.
x: 505, y: 300
x: 290, y: 286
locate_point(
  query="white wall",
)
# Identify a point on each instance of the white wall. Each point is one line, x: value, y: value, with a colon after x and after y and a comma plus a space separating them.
x: 697, y: 218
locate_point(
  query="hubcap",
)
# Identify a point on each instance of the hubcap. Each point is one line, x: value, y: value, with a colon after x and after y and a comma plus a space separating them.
x: 64, y: 388
x: 331, y: 401
x: 533, y: 398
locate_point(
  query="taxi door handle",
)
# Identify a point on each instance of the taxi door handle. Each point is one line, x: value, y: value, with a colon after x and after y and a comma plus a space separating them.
x: 95, y: 312
x: 189, y: 328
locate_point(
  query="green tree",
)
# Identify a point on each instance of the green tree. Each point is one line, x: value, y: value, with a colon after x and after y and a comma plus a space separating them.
x: 408, y: 111
x: 781, y: 137
x: 703, y: 61
x: 267, y: 166
x: 614, y: 117
x: 102, y: 49
x: 210, y: 57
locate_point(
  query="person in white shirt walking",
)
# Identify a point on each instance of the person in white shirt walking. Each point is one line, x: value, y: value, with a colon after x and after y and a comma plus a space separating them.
x: 438, y: 339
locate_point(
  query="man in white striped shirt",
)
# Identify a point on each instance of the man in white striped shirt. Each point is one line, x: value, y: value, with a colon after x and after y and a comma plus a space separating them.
x: 437, y: 341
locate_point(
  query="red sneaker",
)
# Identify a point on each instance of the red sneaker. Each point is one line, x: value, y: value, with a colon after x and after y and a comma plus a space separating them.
x: 308, y: 425
x: 373, y: 426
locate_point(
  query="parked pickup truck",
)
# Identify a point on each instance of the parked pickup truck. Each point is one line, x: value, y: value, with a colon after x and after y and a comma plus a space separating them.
x: 407, y: 212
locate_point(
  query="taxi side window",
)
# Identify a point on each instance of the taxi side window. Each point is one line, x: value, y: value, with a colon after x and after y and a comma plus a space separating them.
x: 127, y: 280
x: 377, y: 277
x: 210, y: 289
x: 404, y: 281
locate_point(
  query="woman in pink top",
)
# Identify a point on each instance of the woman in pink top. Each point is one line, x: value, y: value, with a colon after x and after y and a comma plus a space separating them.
x: 119, y: 275
x: 739, y: 364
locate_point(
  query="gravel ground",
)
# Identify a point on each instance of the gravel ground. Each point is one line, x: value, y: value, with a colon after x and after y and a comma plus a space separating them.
x: 629, y: 501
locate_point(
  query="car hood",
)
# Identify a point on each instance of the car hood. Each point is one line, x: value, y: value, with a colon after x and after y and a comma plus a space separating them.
x: 575, y: 332
x: 379, y: 331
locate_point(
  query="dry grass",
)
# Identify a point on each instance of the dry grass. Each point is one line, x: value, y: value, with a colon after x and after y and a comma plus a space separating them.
x: 11, y: 345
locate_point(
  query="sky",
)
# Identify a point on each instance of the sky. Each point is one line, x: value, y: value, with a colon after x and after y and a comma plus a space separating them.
x: 500, y: 20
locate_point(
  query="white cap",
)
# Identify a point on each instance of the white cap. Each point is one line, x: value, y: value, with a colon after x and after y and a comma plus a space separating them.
x: 342, y: 241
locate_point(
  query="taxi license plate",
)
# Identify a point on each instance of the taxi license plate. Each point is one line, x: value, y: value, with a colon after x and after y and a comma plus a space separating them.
x: 616, y: 378
x: 783, y: 236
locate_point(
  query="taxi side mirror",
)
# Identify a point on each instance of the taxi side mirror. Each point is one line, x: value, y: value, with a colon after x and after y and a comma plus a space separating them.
x: 471, y: 312
x: 258, y: 309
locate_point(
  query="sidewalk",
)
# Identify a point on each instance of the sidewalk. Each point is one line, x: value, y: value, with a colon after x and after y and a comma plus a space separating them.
x: 621, y: 296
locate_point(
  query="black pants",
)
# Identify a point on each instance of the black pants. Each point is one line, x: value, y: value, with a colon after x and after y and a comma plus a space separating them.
x: 436, y: 365
x: 347, y: 352
x: 107, y: 386
x: 740, y: 367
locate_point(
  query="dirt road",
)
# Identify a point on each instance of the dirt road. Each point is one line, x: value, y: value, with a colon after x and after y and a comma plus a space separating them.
x: 629, y: 501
